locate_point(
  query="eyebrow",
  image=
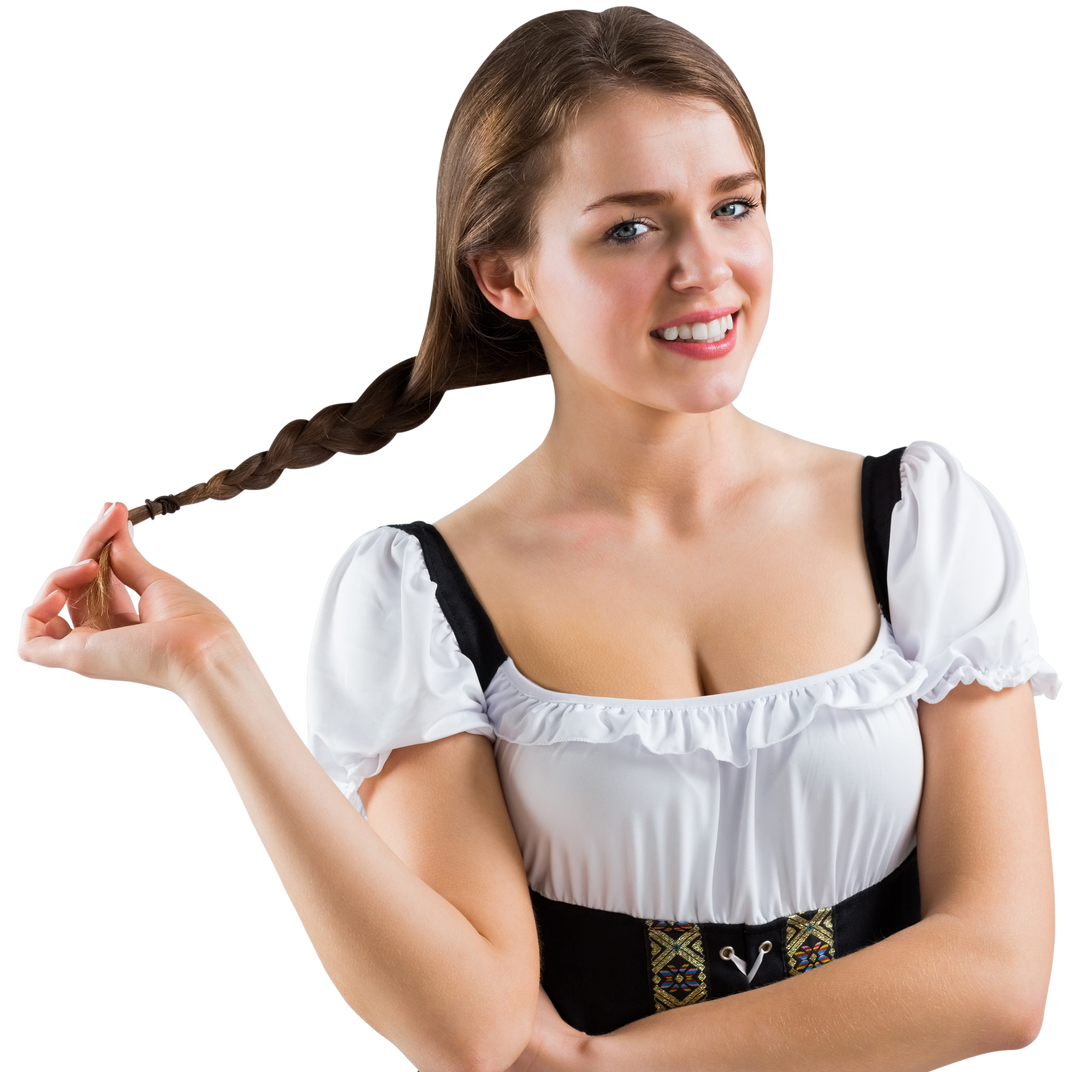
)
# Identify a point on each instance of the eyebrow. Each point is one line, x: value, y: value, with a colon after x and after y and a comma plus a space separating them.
x: 647, y: 198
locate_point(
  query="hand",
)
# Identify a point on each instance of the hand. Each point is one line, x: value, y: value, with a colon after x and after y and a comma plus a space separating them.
x: 162, y: 644
x: 555, y: 1046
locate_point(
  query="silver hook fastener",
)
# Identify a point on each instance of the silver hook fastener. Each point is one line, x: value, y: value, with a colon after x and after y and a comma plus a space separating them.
x: 727, y: 953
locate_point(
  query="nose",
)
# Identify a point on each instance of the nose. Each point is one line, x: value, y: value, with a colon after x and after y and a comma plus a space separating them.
x: 701, y: 262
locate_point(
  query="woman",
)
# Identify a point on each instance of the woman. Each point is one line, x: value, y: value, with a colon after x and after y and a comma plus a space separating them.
x: 601, y: 216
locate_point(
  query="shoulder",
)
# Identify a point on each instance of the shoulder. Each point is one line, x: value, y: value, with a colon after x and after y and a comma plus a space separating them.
x: 383, y: 553
x: 784, y: 460
x: 926, y: 466
x: 379, y: 604
x: 385, y: 669
x: 957, y: 580
x: 943, y: 505
x: 499, y: 515
x: 809, y: 487
x: 391, y: 568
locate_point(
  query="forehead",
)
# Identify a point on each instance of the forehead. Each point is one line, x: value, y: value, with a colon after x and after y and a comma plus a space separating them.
x: 647, y: 141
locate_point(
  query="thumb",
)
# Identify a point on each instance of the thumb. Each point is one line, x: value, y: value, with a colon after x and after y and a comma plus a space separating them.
x: 127, y: 560
x: 122, y: 569
x: 136, y: 572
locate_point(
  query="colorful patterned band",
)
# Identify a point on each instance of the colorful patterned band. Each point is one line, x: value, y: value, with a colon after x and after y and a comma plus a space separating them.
x: 605, y: 969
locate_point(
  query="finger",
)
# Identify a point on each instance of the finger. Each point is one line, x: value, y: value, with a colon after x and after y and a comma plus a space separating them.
x: 110, y: 521
x: 45, y: 614
x: 119, y: 608
x: 47, y: 640
x: 42, y: 622
x: 65, y: 579
x: 128, y: 563
x: 92, y: 606
x: 66, y: 652
x: 43, y: 618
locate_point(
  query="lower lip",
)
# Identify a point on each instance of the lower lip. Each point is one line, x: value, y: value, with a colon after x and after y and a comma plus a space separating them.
x: 702, y: 351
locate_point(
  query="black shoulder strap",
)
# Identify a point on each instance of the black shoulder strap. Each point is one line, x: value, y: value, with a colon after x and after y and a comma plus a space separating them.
x: 880, y: 493
x: 468, y: 619
x: 476, y: 635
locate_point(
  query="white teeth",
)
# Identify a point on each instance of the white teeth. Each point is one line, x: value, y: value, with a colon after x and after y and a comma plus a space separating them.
x: 713, y: 331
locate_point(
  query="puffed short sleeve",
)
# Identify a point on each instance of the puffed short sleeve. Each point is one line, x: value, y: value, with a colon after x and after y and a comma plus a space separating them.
x: 958, y: 588
x: 385, y: 668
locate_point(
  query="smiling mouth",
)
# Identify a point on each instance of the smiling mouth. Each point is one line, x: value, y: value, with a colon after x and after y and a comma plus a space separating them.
x: 698, y: 331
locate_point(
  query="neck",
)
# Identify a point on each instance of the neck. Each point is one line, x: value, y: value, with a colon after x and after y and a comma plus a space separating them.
x: 614, y: 455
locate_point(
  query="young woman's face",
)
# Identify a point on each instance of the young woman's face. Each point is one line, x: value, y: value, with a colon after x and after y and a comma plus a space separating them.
x: 652, y: 230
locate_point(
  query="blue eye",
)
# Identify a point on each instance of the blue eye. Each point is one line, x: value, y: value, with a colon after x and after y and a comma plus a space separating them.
x: 628, y: 230
x: 732, y: 210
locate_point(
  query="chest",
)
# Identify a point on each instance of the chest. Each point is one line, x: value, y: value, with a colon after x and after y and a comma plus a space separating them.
x: 775, y: 589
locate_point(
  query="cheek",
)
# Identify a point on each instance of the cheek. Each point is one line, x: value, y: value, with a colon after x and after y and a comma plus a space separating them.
x: 752, y: 263
x: 603, y: 302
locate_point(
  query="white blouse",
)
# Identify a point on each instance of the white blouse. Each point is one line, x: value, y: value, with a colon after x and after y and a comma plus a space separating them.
x: 734, y: 808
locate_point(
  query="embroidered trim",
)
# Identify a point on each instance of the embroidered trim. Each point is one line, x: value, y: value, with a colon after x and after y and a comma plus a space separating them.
x: 810, y: 941
x: 677, y: 954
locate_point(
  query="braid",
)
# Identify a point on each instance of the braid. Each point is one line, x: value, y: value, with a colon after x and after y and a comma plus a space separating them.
x: 497, y: 159
x: 391, y: 404
x: 361, y: 427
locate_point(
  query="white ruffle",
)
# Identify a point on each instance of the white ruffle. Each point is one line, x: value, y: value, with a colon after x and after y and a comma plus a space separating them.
x: 385, y: 669
x: 958, y: 589
x: 730, y: 726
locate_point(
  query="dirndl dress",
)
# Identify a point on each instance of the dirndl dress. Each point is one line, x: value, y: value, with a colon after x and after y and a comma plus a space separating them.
x: 683, y: 850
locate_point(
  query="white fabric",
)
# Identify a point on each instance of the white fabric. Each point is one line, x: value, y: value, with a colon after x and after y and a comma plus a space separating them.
x: 736, y: 808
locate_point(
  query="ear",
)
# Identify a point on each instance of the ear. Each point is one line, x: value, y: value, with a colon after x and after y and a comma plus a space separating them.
x: 503, y: 285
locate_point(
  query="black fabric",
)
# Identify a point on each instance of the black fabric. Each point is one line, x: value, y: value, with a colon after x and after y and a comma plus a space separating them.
x: 880, y: 493
x: 472, y: 627
x: 595, y: 965
x: 890, y: 906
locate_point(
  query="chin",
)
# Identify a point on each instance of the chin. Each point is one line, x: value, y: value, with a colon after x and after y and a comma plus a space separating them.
x: 705, y: 397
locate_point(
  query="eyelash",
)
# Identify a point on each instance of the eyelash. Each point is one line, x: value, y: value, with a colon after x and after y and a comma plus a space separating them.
x: 748, y: 202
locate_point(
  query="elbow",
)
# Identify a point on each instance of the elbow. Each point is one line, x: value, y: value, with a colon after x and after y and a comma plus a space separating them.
x: 495, y: 1053
x: 1021, y: 1022
x: 495, y: 1049
x: 1027, y: 1032
x: 998, y: 987
x: 453, y: 1051
x: 1014, y: 1016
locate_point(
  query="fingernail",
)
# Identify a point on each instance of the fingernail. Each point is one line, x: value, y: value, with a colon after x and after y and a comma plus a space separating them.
x: 86, y: 562
x: 104, y: 508
x: 131, y: 531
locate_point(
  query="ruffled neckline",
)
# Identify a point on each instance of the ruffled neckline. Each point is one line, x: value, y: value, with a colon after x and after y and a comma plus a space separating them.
x: 730, y: 725
x: 719, y: 699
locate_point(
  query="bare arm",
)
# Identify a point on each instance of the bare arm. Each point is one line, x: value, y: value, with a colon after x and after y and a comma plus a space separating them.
x: 437, y: 951
x: 969, y: 978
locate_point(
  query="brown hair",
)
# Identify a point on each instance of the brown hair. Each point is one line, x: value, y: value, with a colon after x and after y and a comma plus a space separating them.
x: 497, y: 157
